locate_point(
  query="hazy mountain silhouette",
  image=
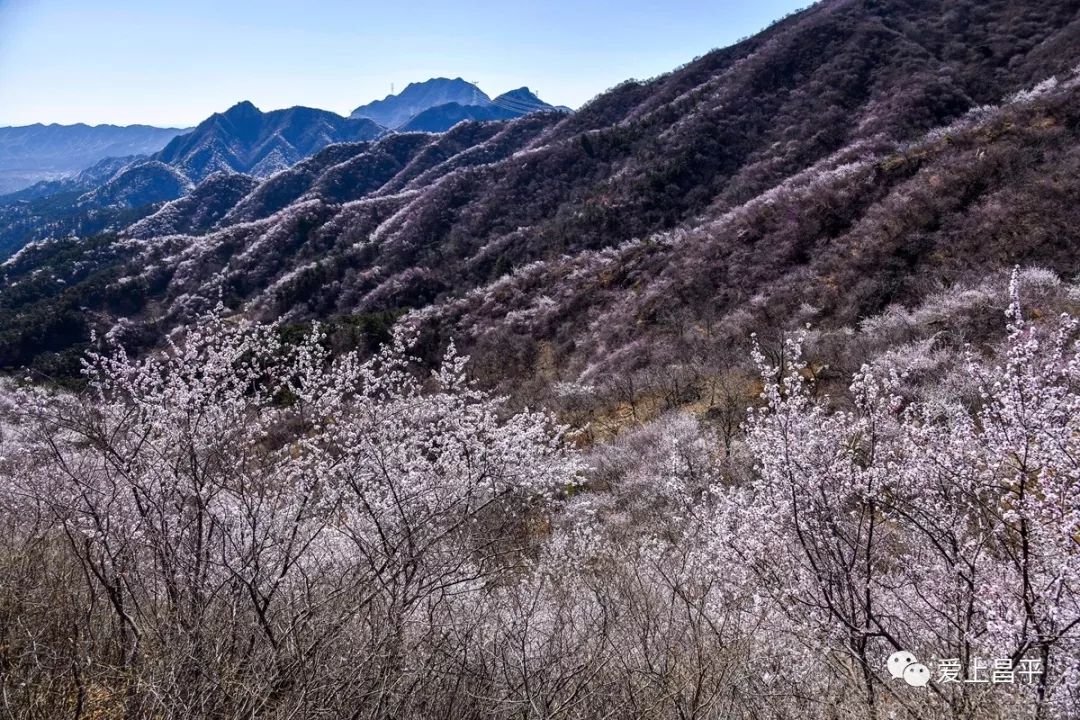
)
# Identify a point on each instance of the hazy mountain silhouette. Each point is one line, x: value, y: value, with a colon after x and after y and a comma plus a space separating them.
x: 393, y: 111
x: 32, y: 153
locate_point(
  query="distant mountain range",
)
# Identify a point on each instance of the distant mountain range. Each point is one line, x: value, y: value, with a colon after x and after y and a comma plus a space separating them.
x: 32, y: 153
x: 245, y: 139
x: 242, y: 139
x: 438, y: 104
x: 393, y: 111
x: 507, y: 106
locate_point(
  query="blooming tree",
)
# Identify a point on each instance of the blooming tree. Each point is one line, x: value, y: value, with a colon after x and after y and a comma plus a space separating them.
x: 946, y: 530
x: 247, y: 506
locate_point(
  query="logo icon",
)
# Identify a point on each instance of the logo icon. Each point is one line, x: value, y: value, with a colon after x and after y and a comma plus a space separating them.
x: 898, y: 661
x: 917, y: 675
x: 902, y: 664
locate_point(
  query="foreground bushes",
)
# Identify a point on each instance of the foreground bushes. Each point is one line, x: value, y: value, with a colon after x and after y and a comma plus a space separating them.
x: 241, y: 528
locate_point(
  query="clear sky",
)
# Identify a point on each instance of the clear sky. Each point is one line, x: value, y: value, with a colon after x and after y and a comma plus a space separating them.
x: 174, y: 63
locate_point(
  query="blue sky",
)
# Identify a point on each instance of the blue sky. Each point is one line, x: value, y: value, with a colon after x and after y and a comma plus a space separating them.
x: 174, y: 63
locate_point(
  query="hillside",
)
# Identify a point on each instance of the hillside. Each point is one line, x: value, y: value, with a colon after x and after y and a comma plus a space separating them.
x: 815, y: 117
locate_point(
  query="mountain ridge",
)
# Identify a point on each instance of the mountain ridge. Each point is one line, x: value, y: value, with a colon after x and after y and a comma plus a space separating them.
x: 241, y: 139
x: 246, y: 139
x: 507, y: 106
x: 395, y: 110
x: 437, y: 104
